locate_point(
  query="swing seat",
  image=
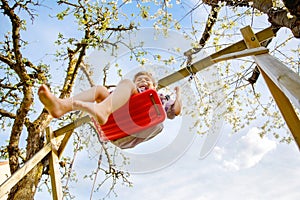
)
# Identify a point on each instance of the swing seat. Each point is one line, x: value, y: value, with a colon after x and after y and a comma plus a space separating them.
x: 142, y: 111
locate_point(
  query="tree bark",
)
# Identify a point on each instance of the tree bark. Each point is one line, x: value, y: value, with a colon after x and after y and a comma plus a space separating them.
x: 278, y: 17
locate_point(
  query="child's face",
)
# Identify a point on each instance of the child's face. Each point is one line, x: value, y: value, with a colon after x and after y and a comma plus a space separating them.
x: 144, y: 81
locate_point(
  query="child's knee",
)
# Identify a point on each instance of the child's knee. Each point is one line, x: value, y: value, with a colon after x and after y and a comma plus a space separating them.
x: 127, y: 82
x: 101, y: 93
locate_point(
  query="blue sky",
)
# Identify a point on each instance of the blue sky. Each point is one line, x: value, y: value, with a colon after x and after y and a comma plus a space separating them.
x: 241, y: 165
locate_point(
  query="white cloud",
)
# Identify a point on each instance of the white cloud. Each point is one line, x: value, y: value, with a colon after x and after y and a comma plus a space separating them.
x: 218, y: 153
x: 249, y: 150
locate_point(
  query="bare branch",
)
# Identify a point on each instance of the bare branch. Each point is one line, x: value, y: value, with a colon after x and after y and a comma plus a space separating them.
x: 6, y: 60
x: 211, y: 20
x: 121, y: 28
x: 4, y: 113
x: 16, y: 26
x: 9, y: 86
x: 87, y: 73
x: 68, y: 3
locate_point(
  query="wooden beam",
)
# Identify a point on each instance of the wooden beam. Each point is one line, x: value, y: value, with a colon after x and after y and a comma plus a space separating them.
x: 281, y: 81
x: 67, y: 131
x: 208, y: 61
x: 72, y: 126
x: 20, y: 173
x: 283, y: 77
x: 250, y: 38
x: 54, y: 172
x: 64, y: 143
x: 244, y: 53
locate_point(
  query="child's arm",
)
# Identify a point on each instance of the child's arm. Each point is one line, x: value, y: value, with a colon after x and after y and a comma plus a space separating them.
x: 178, y: 101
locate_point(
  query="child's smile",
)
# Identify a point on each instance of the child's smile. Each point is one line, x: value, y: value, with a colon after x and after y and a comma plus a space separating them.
x: 144, y: 82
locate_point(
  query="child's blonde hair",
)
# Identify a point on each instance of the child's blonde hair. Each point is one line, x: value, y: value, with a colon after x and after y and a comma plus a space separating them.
x: 146, y: 74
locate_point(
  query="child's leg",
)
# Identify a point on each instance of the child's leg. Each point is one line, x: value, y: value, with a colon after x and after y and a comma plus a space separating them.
x: 58, y: 107
x: 114, y: 101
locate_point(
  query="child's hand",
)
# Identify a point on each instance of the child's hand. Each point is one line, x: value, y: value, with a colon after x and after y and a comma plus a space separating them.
x: 177, y: 90
x: 178, y: 102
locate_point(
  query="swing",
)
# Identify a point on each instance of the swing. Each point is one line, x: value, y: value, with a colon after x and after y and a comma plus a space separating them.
x: 142, y: 111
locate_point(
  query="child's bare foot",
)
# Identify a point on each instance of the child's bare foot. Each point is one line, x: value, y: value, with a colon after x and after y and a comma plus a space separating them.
x: 100, y: 111
x: 53, y: 104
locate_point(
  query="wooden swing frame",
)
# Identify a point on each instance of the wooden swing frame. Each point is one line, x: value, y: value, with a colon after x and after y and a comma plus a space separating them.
x: 283, y: 83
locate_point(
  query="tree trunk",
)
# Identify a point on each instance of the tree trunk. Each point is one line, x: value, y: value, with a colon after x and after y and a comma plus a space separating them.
x: 26, y: 188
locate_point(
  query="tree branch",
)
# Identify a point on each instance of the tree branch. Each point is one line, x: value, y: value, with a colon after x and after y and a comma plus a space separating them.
x: 293, y: 6
x: 4, y: 113
x: 6, y: 60
x: 87, y: 73
x: 27, y: 101
x: 280, y: 18
x: 211, y: 20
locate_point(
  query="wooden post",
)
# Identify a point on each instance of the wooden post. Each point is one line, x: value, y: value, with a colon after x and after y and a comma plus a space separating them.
x: 72, y: 126
x: 54, y: 167
x: 283, y: 77
x: 286, y: 108
x: 281, y: 81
